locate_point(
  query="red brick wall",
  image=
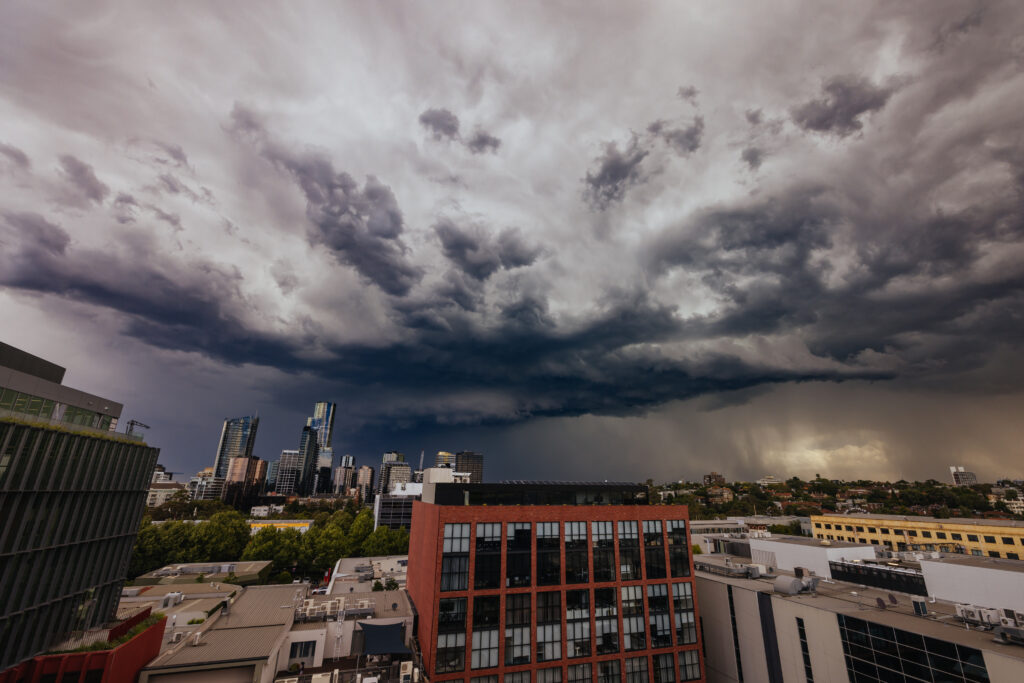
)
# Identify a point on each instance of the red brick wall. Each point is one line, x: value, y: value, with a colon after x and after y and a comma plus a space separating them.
x: 425, y: 571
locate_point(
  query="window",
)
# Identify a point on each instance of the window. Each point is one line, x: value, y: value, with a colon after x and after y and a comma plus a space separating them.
x: 860, y: 530
x: 606, y: 621
x: 518, y: 677
x: 451, y: 614
x: 636, y: 670
x: 519, y: 548
x: 549, y: 626
x: 993, y: 553
x: 956, y: 537
x: 1007, y: 540
x: 604, y: 551
x: 654, y: 549
x: 1012, y: 556
x: 804, y: 650
x: 912, y: 532
x: 487, y: 571
x: 629, y: 551
x: 940, y: 535
x: 580, y: 673
x: 549, y: 570
x: 689, y: 665
x: 659, y: 615
x: 926, y: 534
x: 817, y: 525
x: 451, y: 652
x: 484, y: 679
x: 553, y: 675
x: 576, y: 570
x: 608, y: 672
x: 976, y: 552
x: 872, y: 530
x: 517, y: 628
x: 633, y: 628
x: 885, y: 531
x: 455, y: 558
x: 485, y: 632
x: 849, y: 527
x: 664, y: 669
x: 678, y: 548
x: 972, y: 538
x: 682, y: 599
x: 577, y: 623
x: 828, y: 526
x: 990, y: 539
x: 305, y: 648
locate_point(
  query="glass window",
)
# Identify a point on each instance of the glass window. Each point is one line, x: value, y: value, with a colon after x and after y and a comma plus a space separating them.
x: 926, y: 534
x: 484, y: 679
x: 940, y: 534
x: 885, y: 532
x: 451, y: 652
x: 455, y: 558
x: 636, y: 670
x: 990, y: 539
x: 456, y: 538
x: 972, y: 538
x: 549, y: 571
x: 305, y: 648
x: 576, y: 569
x: 689, y: 665
x: 485, y: 632
x: 659, y: 615
x: 580, y: 673
x: 517, y: 628
x: 633, y: 628
x: 629, y: 551
x: 517, y: 677
x: 487, y: 565
x: 517, y: 562
x: 608, y: 672
x: 686, y: 627
x: 956, y: 537
x: 577, y: 623
x: 606, y: 621
x: 664, y: 669
x: 604, y: 551
x: 553, y: 675
x: 549, y: 626
x: 678, y: 548
x: 1007, y: 540
x: 654, y: 549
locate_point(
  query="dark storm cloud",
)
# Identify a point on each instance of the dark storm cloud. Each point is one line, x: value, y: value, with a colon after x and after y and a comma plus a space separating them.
x: 478, y: 254
x: 616, y: 171
x: 754, y: 116
x: 685, y: 140
x: 441, y: 123
x: 83, y: 178
x: 752, y: 156
x: 847, y: 98
x: 16, y: 156
x: 361, y: 227
x: 482, y: 141
x: 688, y: 93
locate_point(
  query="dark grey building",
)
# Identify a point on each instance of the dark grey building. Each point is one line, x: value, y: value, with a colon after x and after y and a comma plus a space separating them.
x: 237, y: 440
x: 72, y: 493
x: 468, y: 461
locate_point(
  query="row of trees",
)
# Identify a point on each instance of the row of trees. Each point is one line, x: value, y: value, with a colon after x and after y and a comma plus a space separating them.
x: 226, y: 537
x: 180, y: 506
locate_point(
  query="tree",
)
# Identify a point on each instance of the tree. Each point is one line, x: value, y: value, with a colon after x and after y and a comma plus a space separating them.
x: 324, y: 545
x: 377, y: 585
x: 224, y: 537
x: 390, y: 584
x: 361, y: 528
x: 380, y: 542
x: 148, y: 553
x: 282, y: 547
x: 176, y: 542
x: 399, y: 542
x: 697, y: 549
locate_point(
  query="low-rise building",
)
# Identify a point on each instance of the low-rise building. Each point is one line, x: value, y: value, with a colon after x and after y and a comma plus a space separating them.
x: 242, y: 573
x: 161, y: 492
x: 359, y: 574
x: 300, y: 525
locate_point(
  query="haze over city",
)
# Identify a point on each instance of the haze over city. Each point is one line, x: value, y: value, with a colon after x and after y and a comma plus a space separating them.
x: 619, y: 240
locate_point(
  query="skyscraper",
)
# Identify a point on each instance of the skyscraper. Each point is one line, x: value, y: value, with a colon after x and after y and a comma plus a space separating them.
x: 322, y: 423
x: 237, y: 438
x: 347, y: 461
x: 444, y: 458
x: 289, y: 473
x: 393, y: 469
x: 309, y: 452
x: 72, y: 493
x: 364, y: 482
x: 468, y: 461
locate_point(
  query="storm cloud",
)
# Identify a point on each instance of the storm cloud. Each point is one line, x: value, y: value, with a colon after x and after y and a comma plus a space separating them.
x: 603, y: 261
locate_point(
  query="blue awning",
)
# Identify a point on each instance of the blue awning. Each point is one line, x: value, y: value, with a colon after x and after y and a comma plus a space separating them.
x: 382, y: 639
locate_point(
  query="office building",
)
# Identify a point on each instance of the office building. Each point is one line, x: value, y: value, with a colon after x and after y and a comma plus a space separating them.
x: 344, y: 479
x: 272, y: 474
x: 309, y: 454
x: 237, y: 439
x: 205, y: 485
x: 72, y: 494
x: 161, y: 475
x: 322, y: 422
x: 552, y: 582
x: 394, y: 508
x: 468, y: 461
x: 364, y: 483
x: 393, y: 469
x: 982, y: 537
x: 714, y: 479
x: 289, y: 473
x: 244, y: 481
x: 962, y: 477
x: 348, y: 461
x: 162, y: 491
x: 871, y: 622
x: 444, y: 459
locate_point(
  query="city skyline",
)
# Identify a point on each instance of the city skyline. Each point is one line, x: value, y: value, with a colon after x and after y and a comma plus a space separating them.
x: 742, y: 238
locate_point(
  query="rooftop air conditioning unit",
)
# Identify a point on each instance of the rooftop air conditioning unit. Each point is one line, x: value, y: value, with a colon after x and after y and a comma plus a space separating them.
x: 196, y: 637
x: 405, y: 672
x: 176, y: 638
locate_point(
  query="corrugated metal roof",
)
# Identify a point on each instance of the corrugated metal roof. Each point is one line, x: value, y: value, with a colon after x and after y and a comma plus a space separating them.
x: 226, y: 645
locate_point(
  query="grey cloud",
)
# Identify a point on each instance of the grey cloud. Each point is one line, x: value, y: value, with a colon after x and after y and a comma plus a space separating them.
x: 36, y: 234
x: 754, y: 116
x: 124, y: 208
x: 480, y: 256
x: 172, y: 219
x: 753, y: 156
x: 847, y: 99
x: 483, y: 141
x: 361, y: 227
x: 16, y: 156
x: 616, y: 171
x: 441, y: 123
x: 175, y: 152
x: 689, y: 94
x: 82, y: 176
x: 168, y: 182
x: 685, y: 140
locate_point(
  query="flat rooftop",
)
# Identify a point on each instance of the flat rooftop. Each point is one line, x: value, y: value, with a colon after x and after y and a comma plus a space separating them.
x: 966, y: 521
x: 860, y: 602
x: 811, y: 542
x: 996, y: 563
x: 521, y: 492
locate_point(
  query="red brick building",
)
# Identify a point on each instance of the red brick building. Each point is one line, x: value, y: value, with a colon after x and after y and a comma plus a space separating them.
x: 553, y: 583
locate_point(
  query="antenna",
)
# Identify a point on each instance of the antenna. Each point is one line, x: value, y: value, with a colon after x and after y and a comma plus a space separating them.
x: 132, y: 424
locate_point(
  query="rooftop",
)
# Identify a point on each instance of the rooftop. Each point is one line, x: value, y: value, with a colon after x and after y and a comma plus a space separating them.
x: 860, y: 602
x: 950, y: 521
x: 519, y: 492
x: 808, y: 541
x: 995, y: 563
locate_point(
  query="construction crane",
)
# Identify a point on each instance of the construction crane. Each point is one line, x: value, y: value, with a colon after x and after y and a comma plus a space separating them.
x: 132, y: 424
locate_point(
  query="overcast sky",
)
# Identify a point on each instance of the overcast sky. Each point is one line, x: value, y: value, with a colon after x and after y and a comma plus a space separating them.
x: 591, y: 240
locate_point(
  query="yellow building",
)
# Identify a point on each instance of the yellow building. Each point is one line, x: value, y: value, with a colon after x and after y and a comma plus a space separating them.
x: 300, y: 525
x: 984, y: 537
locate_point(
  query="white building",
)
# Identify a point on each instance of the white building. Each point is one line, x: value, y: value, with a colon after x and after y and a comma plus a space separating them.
x: 789, y: 552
